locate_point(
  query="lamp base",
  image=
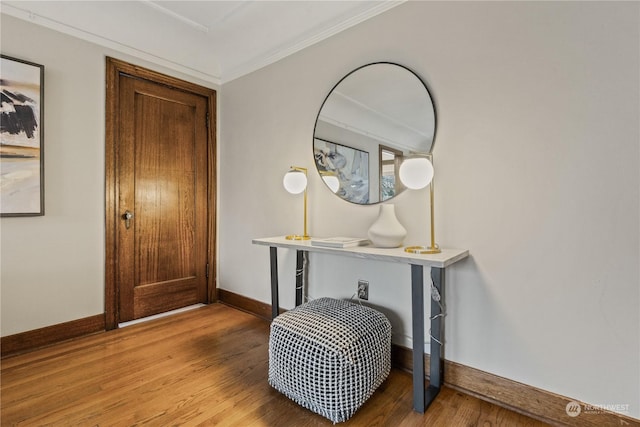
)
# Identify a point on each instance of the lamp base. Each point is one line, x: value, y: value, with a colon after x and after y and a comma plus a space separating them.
x: 423, y: 250
x: 297, y: 237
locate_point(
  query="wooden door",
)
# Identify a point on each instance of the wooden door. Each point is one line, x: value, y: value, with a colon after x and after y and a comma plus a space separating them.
x: 162, y: 251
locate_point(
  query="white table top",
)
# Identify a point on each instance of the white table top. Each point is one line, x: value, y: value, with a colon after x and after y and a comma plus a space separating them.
x: 441, y: 260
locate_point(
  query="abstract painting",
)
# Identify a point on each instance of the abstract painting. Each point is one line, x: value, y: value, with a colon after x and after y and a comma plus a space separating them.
x: 21, y: 138
x: 350, y: 165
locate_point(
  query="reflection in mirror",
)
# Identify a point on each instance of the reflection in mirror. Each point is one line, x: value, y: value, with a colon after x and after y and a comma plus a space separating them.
x: 390, y: 160
x: 371, y: 120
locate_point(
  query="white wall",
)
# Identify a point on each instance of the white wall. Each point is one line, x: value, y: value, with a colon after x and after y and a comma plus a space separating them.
x: 537, y: 168
x: 52, y: 267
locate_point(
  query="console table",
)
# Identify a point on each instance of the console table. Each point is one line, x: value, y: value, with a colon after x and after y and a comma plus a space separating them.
x: 422, y: 397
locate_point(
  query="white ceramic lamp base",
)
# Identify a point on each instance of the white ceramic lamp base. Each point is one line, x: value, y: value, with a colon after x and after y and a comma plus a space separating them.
x: 386, y: 231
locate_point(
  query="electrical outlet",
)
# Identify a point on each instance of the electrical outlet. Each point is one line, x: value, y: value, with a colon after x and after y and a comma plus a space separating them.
x: 363, y: 289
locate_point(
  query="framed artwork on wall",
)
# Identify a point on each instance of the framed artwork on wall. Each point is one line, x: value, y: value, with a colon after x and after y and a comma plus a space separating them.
x: 21, y: 138
x: 349, y: 164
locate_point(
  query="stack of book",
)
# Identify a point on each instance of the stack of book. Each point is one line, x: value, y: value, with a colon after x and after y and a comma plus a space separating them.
x: 339, y: 242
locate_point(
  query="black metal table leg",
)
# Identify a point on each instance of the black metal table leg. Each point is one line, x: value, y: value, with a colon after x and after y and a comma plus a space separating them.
x: 275, y: 303
x: 299, y: 276
x: 417, y: 319
x: 436, y: 371
x: 423, y: 398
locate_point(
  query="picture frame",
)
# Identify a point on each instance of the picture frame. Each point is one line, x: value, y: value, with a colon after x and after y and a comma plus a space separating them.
x: 21, y: 138
x: 349, y: 164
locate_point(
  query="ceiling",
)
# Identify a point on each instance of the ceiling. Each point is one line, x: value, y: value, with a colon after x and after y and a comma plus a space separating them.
x: 216, y: 41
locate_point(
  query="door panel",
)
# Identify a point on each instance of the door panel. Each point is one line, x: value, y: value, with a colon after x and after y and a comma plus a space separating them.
x: 162, y: 175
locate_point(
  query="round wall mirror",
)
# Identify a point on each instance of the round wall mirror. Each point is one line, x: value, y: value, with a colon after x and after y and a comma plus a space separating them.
x: 372, y: 118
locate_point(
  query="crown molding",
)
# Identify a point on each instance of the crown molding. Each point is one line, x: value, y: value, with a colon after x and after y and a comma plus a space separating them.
x: 278, y: 54
x: 218, y: 79
x: 61, y: 27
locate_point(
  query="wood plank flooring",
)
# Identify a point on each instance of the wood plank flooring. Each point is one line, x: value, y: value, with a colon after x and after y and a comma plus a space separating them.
x: 207, y: 366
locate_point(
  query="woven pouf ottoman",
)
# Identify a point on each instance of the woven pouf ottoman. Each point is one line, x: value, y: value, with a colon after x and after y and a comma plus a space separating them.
x: 329, y: 355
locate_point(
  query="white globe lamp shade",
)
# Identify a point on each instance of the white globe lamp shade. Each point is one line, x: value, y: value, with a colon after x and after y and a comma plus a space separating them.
x: 332, y: 182
x: 295, y: 182
x: 416, y: 173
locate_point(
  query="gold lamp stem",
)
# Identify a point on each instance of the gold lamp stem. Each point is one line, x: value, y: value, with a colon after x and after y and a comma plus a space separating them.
x: 434, y: 248
x: 305, y: 236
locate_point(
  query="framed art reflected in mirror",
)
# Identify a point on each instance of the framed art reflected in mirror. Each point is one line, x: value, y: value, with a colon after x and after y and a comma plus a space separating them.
x: 348, y: 164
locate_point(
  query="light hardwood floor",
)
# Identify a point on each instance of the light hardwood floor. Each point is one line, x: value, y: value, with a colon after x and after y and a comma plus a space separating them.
x: 207, y: 366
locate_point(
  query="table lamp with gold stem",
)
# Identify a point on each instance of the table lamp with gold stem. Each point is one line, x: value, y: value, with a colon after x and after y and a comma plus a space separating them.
x: 295, y: 182
x: 416, y: 172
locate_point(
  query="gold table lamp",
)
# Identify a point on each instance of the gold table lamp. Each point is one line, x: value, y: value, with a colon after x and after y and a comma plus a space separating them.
x: 295, y: 182
x: 417, y: 172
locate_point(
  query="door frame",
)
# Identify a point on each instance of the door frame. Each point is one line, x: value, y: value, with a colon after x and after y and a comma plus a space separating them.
x: 115, y: 68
